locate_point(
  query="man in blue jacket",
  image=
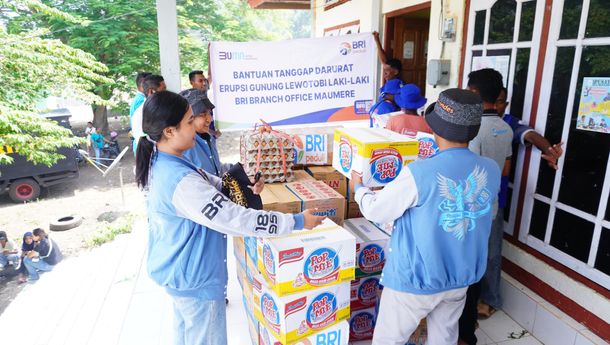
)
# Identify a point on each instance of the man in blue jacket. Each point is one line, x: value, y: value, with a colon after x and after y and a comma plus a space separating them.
x: 442, y: 214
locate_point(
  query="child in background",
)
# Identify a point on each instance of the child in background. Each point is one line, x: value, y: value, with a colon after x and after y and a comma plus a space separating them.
x: 494, y: 141
x: 26, y: 247
x: 98, y: 143
x: 88, y: 131
x: 409, y: 99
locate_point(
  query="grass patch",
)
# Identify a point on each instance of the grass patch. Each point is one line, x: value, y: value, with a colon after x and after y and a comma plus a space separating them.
x: 106, y: 232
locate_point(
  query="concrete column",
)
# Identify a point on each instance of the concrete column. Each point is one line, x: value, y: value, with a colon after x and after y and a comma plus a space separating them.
x: 167, y: 22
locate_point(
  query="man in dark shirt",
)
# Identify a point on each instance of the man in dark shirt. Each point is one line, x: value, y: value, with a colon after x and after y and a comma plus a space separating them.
x: 44, y: 257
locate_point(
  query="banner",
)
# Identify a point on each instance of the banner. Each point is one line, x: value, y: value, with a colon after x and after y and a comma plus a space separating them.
x: 594, y: 107
x: 303, y: 81
x: 499, y: 63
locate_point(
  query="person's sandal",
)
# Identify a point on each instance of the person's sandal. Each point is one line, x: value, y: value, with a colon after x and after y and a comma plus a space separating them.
x: 484, y: 311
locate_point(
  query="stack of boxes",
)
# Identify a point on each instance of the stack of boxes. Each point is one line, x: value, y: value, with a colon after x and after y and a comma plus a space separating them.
x: 303, y: 290
x: 371, y: 252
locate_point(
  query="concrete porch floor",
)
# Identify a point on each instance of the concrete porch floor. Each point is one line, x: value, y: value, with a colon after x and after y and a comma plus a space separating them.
x: 104, y: 296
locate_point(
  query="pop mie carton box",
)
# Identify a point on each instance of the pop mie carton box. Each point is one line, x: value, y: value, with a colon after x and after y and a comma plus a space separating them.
x: 334, y: 335
x: 298, y: 316
x: 427, y: 144
x: 239, y: 250
x: 276, y: 197
x: 376, y: 153
x: 308, y: 260
x: 317, y: 194
x: 362, y: 324
x: 371, y: 246
x: 364, y: 292
x: 331, y: 177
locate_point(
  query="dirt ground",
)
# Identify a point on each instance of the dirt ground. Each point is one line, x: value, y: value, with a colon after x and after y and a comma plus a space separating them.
x: 91, y: 196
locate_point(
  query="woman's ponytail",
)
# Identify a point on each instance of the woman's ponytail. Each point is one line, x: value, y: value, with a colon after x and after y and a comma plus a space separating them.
x: 144, y: 154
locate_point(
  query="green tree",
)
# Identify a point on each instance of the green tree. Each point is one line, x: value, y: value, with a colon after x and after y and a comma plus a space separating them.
x: 122, y: 34
x: 32, y: 68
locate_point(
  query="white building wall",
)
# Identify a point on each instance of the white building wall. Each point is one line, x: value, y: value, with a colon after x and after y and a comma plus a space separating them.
x: 371, y: 14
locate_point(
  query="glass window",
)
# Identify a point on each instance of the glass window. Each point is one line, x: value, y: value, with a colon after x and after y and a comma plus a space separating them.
x: 479, y: 27
x: 602, y: 260
x: 598, y: 21
x: 572, y: 235
x: 570, y: 19
x: 586, y: 155
x: 519, y: 82
x: 526, y: 24
x: 502, y: 21
x: 540, y: 218
x: 556, y: 116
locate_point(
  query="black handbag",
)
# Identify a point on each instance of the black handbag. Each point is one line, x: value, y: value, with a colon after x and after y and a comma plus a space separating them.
x: 235, y: 184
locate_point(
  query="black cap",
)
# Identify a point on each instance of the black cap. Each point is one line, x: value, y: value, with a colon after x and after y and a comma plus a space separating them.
x: 456, y: 115
x: 198, y: 100
x: 3, y: 235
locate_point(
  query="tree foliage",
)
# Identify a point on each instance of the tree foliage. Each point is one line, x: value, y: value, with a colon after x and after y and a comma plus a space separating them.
x: 32, y: 68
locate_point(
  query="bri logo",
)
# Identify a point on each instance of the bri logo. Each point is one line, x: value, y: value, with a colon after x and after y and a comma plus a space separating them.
x: 372, y: 258
x: 345, y: 154
x: 322, y: 267
x: 367, y: 292
x: 322, y: 311
x: 346, y: 48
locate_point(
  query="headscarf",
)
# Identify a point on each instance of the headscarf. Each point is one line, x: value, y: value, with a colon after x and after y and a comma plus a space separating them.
x: 27, y: 247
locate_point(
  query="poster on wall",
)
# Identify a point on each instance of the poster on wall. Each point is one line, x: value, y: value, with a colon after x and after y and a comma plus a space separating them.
x: 499, y: 63
x: 304, y: 81
x: 594, y: 106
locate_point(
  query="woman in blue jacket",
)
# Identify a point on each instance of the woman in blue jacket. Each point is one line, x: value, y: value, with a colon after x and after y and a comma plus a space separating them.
x: 189, y: 220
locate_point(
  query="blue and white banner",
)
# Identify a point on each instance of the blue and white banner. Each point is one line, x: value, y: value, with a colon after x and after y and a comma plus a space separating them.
x: 303, y: 81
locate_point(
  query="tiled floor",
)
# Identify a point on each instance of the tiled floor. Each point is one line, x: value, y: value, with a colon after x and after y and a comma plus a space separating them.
x: 105, y: 297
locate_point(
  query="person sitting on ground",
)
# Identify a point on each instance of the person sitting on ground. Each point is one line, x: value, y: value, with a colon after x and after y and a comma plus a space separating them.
x: 409, y: 99
x: 26, y: 247
x: 44, y: 257
x: 200, y: 82
x: 204, y: 154
x: 151, y: 85
x: 8, y: 252
x: 442, y: 213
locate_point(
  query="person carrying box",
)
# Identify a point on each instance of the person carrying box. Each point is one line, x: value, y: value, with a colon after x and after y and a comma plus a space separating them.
x: 442, y: 214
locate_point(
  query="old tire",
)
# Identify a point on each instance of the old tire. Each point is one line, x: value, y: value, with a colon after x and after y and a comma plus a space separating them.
x: 23, y: 190
x: 66, y: 223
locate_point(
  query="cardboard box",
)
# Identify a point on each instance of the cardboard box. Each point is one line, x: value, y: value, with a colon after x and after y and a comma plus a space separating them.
x: 276, y: 197
x: 313, y: 146
x: 353, y: 210
x: 239, y: 250
x: 308, y: 260
x: 334, y: 335
x: 331, y: 177
x: 300, y: 175
x: 317, y: 194
x: 253, y: 324
x: 371, y: 246
x: 427, y: 145
x: 362, y: 324
x: 376, y: 153
x: 364, y: 292
x: 294, y: 317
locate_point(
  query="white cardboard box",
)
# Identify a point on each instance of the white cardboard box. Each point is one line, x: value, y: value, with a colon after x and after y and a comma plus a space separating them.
x: 308, y: 260
x: 335, y: 335
x: 371, y: 246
